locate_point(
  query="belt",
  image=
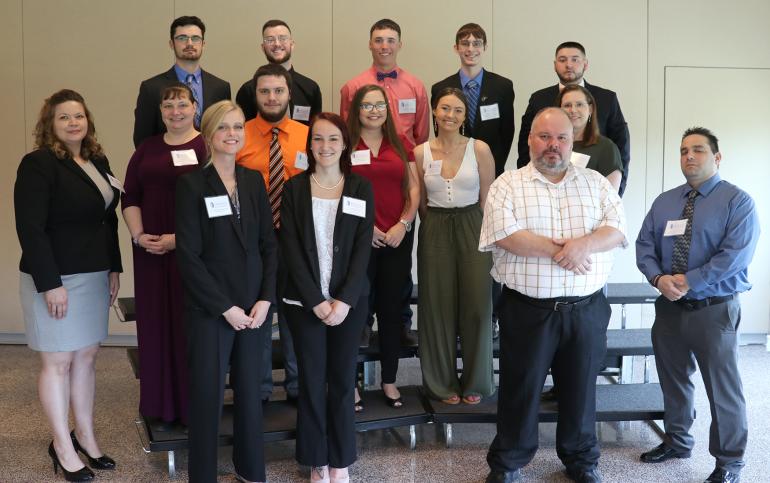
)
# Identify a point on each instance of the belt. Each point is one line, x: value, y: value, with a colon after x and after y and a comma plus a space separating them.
x: 558, y: 304
x: 691, y: 304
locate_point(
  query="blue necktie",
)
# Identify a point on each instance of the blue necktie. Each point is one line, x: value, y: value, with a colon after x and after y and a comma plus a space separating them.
x: 382, y: 75
x: 190, y: 81
x: 472, y: 95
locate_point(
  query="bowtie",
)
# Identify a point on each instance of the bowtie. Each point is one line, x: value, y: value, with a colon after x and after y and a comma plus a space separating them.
x: 382, y: 75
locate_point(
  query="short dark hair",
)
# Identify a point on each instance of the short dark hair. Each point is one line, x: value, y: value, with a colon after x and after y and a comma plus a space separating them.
x: 470, y: 29
x: 702, y: 131
x: 383, y: 24
x: 275, y: 23
x: 187, y: 20
x: 450, y: 91
x: 276, y: 70
x: 339, y: 123
x: 571, y: 44
x: 591, y: 132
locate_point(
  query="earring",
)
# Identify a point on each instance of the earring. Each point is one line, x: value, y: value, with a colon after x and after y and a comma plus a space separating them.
x: 462, y: 129
x: 435, y: 127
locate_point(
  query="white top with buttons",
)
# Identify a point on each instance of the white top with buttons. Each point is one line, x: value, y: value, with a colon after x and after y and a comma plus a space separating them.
x: 462, y: 190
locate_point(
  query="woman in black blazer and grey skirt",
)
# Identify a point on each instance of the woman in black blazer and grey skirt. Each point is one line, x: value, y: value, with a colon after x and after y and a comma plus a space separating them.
x: 227, y: 256
x: 327, y: 222
x: 65, y: 198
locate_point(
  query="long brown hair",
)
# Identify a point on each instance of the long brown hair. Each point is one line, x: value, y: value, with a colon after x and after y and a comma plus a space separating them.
x: 591, y: 131
x: 339, y: 123
x: 45, y: 137
x: 388, y: 132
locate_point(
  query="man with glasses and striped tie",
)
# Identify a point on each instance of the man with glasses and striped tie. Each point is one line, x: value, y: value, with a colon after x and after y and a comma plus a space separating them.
x: 187, y: 41
x: 275, y: 146
x: 695, y: 245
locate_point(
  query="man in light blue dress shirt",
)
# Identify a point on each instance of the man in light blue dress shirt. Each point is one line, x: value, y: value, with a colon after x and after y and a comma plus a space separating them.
x: 697, y: 256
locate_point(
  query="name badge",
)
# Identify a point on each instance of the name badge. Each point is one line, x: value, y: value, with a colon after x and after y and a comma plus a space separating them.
x: 301, y: 113
x: 186, y: 157
x: 407, y: 106
x: 300, y: 161
x: 115, y: 183
x: 675, y: 227
x: 579, y: 159
x: 433, y: 168
x: 490, y: 111
x: 361, y: 157
x: 354, y: 206
x: 217, y: 206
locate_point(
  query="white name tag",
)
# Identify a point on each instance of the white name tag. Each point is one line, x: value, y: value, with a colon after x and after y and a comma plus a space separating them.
x: 675, y: 227
x: 433, y: 168
x: 579, y: 159
x: 361, y: 157
x: 218, y: 206
x: 186, y: 157
x: 300, y: 161
x: 354, y: 206
x: 115, y: 183
x: 407, y: 106
x: 301, y: 113
x: 490, y: 111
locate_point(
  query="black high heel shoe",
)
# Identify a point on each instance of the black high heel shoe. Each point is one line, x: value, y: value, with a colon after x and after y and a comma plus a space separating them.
x: 396, y: 403
x: 103, y: 462
x: 83, y: 474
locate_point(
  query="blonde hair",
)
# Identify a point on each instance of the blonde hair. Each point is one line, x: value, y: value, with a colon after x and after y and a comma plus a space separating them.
x: 211, y: 119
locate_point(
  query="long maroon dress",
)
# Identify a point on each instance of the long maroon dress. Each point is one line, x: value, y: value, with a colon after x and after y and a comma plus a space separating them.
x: 150, y: 183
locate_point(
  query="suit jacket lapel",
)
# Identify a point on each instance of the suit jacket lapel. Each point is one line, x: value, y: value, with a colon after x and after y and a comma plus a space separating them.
x: 306, y: 224
x: 218, y: 189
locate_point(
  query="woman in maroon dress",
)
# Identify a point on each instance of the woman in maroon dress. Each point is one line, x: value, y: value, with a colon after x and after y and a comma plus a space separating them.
x: 148, y: 208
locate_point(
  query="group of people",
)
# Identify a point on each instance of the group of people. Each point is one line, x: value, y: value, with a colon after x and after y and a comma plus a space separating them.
x: 239, y: 211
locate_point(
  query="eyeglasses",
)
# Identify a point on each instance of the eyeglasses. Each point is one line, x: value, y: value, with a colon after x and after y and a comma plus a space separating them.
x: 281, y: 39
x: 380, y: 106
x: 467, y: 43
x: 183, y: 39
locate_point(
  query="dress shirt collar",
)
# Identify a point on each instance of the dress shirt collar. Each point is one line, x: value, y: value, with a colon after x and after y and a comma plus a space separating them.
x: 182, y: 74
x: 264, y: 127
x: 464, y: 79
x: 396, y: 69
x: 582, y: 83
x: 705, y: 188
x: 532, y: 173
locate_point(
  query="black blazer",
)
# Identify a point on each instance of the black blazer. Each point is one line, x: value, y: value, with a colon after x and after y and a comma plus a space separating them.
x: 61, y: 221
x: 497, y: 133
x: 147, y: 119
x: 224, y: 263
x: 612, y: 124
x: 352, y: 244
x: 304, y: 92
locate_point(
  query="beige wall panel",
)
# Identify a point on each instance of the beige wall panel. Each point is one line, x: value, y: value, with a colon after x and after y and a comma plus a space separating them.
x: 233, y: 37
x: 14, y: 139
x: 428, y: 32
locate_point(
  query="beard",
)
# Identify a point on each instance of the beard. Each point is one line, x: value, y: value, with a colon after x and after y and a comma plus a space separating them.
x: 274, y: 60
x: 272, y: 116
x: 550, y: 167
x: 188, y: 55
x: 567, y: 81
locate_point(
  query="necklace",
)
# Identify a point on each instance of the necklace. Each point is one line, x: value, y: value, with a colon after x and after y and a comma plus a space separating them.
x: 327, y: 188
x: 446, y: 151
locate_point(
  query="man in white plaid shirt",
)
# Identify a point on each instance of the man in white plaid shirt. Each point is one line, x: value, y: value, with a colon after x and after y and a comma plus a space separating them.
x: 552, y: 227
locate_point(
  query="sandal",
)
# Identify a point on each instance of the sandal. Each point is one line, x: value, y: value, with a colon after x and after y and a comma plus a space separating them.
x: 396, y: 403
x: 452, y: 400
x: 472, y: 399
x: 358, y: 406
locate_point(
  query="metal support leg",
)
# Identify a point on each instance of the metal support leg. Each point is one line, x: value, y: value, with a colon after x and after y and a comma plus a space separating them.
x: 646, y: 369
x: 171, y: 465
x: 412, y: 437
x: 448, y: 434
x: 627, y: 370
x: 622, y: 316
x: 368, y: 374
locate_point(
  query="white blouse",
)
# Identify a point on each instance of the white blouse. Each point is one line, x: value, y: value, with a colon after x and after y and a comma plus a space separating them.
x: 462, y: 190
x: 324, y: 215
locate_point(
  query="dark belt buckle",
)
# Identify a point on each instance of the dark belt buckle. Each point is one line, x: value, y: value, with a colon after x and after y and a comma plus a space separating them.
x: 558, y: 304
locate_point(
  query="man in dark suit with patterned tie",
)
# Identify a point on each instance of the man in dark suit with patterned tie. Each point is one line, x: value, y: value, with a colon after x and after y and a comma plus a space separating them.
x: 490, y: 96
x: 187, y: 41
x: 570, y: 64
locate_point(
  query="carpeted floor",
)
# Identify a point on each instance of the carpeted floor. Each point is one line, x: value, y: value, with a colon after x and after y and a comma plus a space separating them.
x: 383, y: 455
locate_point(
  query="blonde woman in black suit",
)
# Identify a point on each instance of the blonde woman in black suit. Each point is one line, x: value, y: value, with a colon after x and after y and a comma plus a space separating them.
x: 65, y: 198
x: 327, y: 223
x: 227, y: 258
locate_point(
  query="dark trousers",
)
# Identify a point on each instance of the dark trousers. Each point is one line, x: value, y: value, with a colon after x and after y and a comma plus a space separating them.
x: 327, y: 372
x: 389, y: 270
x: 680, y: 337
x: 531, y: 337
x: 213, y: 348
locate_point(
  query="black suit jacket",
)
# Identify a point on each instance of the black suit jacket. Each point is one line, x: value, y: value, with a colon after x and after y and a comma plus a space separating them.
x: 304, y: 92
x: 147, y: 119
x: 612, y: 124
x: 61, y: 221
x: 223, y: 262
x: 352, y: 244
x: 497, y: 133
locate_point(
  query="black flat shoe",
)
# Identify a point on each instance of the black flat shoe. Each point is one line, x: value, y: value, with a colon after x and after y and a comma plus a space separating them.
x: 103, y: 462
x: 661, y: 453
x: 396, y: 403
x: 83, y: 474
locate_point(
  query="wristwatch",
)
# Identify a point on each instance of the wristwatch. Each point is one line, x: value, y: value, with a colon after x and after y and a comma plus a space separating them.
x: 135, y: 240
x: 407, y: 224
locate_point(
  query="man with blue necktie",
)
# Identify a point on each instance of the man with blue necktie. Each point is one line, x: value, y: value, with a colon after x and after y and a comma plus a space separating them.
x: 694, y: 246
x: 187, y: 41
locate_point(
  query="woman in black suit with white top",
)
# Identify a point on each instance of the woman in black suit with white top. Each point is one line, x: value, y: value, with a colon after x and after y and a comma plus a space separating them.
x: 327, y: 223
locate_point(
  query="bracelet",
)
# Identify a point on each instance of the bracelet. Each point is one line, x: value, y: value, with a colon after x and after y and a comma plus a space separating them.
x: 655, y: 279
x: 135, y: 240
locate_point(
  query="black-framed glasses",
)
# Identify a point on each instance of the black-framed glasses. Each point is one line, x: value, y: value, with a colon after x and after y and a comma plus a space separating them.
x: 183, y: 39
x: 380, y: 106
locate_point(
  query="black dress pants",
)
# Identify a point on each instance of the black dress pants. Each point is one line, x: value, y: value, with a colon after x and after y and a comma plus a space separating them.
x: 531, y: 337
x: 213, y: 348
x: 326, y: 358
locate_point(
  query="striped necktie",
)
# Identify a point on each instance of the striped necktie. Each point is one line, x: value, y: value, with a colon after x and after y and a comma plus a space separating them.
x: 681, y: 253
x: 275, y: 179
x: 472, y: 95
x: 190, y: 81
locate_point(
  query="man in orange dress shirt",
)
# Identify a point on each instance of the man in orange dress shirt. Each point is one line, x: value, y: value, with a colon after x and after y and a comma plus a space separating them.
x: 273, y: 95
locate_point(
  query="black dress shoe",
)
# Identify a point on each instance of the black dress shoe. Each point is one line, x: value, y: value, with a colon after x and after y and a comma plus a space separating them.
x: 103, y: 462
x: 585, y: 476
x: 503, y: 476
x: 720, y: 475
x: 83, y: 474
x: 661, y: 453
